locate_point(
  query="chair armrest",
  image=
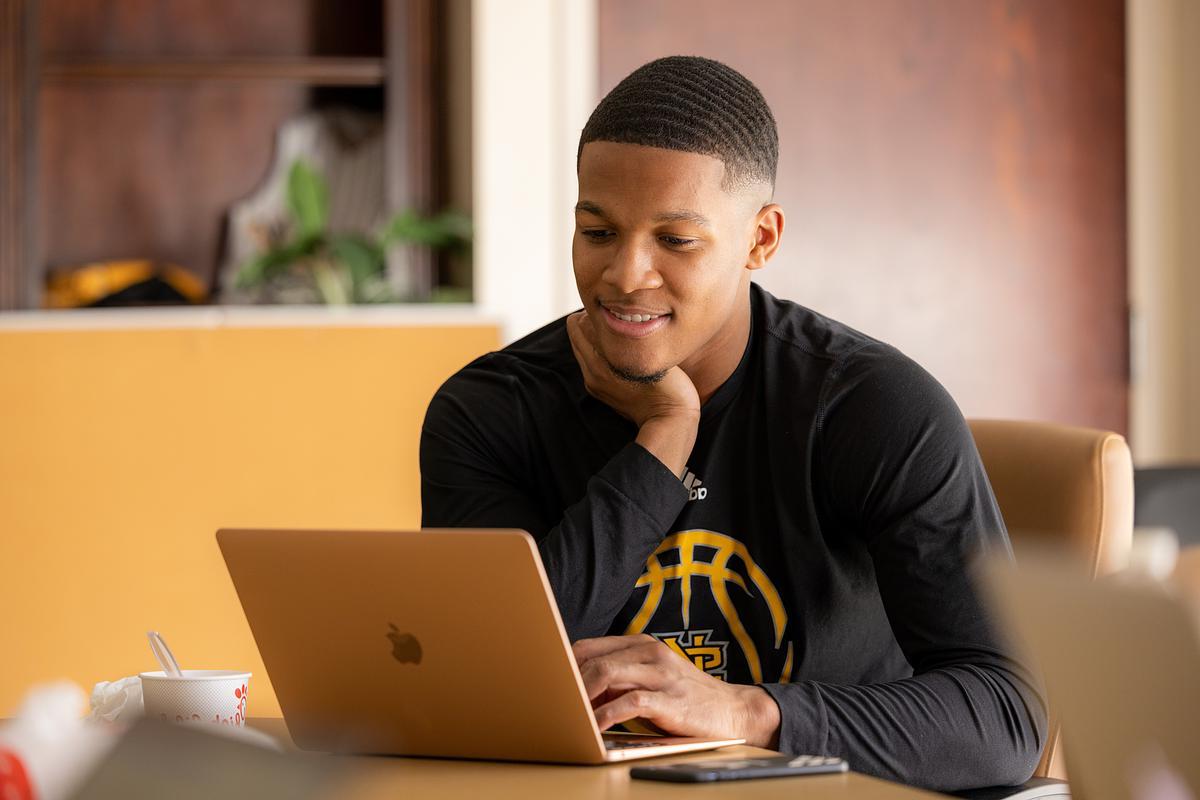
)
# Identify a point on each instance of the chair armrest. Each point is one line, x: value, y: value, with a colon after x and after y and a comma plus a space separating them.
x: 1032, y: 789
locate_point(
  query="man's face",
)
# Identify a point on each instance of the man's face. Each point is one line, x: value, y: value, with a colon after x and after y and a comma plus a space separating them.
x: 660, y: 254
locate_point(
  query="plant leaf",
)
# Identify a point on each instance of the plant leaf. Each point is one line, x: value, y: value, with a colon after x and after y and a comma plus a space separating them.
x: 264, y: 266
x: 361, y: 256
x: 450, y: 294
x: 376, y: 290
x: 456, y: 225
x: 446, y: 230
x: 332, y: 282
x: 400, y: 228
x: 308, y: 199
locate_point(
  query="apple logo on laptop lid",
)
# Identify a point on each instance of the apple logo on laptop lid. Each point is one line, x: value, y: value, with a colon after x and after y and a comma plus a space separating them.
x: 405, y: 647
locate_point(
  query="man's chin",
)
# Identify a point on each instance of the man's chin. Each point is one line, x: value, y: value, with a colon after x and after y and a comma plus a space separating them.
x: 637, y: 375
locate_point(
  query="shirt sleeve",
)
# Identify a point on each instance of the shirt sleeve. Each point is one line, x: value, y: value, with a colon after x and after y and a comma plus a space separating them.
x: 475, y: 473
x: 901, y: 470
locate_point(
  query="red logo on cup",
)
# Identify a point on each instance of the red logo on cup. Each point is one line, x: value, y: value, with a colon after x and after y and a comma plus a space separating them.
x: 240, y: 694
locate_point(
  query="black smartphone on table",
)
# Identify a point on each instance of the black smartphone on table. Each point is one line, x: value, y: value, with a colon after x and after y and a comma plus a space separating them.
x: 737, y: 769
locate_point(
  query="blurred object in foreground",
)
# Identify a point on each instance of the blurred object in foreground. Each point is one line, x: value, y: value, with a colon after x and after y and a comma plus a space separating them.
x: 1154, y: 552
x: 1121, y: 661
x: 46, y: 750
x: 156, y: 759
x: 135, y: 282
x: 1186, y: 576
x: 1170, y: 497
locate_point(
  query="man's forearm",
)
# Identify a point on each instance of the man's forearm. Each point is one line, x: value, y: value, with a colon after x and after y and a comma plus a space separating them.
x: 595, y: 555
x: 952, y: 728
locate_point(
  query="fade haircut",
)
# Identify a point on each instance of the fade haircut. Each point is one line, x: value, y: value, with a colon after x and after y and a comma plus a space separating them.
x: 695, y: 105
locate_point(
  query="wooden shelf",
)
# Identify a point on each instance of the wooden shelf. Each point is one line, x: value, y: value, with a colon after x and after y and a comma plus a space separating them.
x: 96, y: 104
x: 315, y: 71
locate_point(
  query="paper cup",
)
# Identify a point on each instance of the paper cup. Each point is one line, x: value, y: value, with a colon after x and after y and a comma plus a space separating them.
x: 214, y: 696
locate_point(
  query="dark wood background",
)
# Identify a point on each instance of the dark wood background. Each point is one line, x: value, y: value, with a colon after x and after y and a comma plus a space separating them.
x: 953, y: 175
x: 129, y: 127
x: 147, y: 167
x: 18, y: 88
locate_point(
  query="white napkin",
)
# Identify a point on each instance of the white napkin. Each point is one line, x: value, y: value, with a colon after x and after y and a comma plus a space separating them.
x: 117, y: 701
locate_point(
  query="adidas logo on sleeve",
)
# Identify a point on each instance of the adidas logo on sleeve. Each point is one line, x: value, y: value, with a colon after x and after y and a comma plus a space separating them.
x: 695, y: 486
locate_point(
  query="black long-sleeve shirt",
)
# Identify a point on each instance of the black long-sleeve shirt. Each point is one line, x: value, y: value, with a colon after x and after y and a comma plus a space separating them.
x: 818, y: 544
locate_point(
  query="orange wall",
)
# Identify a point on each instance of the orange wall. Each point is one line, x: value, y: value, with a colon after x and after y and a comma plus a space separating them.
x: 122, y: 451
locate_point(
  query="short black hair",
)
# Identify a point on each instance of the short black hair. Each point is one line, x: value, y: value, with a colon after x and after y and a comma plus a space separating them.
x: 692, y: 104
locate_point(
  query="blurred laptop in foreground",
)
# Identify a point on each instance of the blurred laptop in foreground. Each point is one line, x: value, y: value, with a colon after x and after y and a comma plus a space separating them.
x: 1121, y: 660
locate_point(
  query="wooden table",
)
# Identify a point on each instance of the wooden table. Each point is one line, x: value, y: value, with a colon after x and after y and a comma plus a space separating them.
x: 378, y: 777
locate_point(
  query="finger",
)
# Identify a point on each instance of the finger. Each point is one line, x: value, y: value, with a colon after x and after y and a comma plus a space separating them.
x: 631, y: 705
x: 579, y: 328
x: 573, y: 321
x: 587, y: 326
x: 583, y: 333
x: 586, y: 649
x: 617, y: 674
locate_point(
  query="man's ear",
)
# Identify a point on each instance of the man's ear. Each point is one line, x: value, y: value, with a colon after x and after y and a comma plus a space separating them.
x: 768, y: 231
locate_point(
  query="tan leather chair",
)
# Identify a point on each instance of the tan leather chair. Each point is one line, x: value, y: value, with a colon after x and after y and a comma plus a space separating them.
x: 1060, y: 486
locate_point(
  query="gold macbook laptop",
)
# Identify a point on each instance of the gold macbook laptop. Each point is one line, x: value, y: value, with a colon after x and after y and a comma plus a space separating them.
x: 436, y: 643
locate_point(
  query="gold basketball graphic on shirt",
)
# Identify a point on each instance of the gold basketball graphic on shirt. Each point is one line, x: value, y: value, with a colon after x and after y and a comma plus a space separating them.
x: 719, y: 574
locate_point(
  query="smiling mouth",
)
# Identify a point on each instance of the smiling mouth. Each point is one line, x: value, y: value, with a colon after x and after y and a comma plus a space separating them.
x: 633, y: 322
x: 634, y: 317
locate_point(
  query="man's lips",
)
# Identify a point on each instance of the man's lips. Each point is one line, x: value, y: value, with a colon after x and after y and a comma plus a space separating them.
x: 637, y: 322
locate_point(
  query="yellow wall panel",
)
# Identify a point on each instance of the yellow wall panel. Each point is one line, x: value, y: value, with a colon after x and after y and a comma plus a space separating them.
x: 123, y: 451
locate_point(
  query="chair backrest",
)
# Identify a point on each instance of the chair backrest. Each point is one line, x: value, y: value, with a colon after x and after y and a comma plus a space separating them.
x: 1065, y: 486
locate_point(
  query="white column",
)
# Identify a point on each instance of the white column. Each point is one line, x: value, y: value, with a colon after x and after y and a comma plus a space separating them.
x: 534, y: 83
x: 1164, y: 237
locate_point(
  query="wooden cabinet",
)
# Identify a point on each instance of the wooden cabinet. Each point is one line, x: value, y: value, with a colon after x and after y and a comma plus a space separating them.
x: 128, y: 127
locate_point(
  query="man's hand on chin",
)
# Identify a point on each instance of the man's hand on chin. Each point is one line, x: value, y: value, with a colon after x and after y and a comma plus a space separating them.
x: 667, y: 412
x: 630, y: 677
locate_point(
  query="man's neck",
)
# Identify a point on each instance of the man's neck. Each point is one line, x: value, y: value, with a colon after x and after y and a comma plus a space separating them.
x: 719, y: 358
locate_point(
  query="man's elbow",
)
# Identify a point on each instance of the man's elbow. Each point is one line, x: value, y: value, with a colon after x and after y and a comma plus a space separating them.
x: 1015, y: 768
x: 1015, y: 760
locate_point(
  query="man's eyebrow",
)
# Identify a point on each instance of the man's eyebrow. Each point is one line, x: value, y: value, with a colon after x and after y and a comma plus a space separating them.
x: 684, y: 216
x: 591, y: 208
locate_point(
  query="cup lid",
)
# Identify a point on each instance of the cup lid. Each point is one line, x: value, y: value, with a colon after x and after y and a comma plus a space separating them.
x: 196, y: 675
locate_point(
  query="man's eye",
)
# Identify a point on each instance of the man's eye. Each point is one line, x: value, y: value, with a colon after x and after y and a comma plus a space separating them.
x: 676, y: 241
x: 597, y: 236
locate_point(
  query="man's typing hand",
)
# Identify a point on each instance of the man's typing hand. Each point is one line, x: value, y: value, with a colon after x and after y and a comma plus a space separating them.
x: 639, y: 677
x: 667, y: 412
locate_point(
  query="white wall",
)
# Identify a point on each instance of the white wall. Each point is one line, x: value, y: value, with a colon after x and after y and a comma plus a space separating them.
x: 534, y: 74
x: 1164, y: 226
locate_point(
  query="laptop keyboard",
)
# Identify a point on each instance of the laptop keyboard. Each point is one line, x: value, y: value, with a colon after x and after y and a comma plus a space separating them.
x: 626, y: 744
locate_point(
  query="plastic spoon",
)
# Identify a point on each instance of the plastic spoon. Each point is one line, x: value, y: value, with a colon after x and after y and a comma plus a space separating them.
x: 163, y: 655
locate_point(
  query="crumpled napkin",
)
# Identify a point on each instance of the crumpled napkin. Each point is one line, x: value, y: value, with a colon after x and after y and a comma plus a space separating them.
x: 117, y: 701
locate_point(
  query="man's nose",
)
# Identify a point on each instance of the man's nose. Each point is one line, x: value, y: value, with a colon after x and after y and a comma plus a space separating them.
x: 632, y: 269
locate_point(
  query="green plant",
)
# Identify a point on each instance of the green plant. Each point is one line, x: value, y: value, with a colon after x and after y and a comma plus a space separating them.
x: 346, y: 267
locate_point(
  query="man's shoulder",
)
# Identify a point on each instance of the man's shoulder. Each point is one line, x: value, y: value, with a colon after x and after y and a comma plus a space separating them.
x: 802, y: 333
x: 548, y: 347
x: 542, y: 358
x: 851, y: 360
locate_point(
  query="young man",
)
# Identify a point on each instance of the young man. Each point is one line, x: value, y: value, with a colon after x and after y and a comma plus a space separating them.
x: 756, y: 521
